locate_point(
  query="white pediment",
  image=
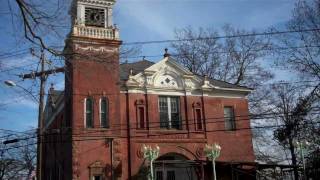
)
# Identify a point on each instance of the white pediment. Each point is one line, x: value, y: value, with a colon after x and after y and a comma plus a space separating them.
x: 167, y: 74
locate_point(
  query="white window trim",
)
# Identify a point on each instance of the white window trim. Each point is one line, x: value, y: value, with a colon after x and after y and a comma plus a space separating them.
x: 107, y: 112
x: 100, y: 117
x: 85, y: 112
x: 169, y: 112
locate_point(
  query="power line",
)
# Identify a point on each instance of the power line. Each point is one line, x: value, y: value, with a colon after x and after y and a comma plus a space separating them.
x: 226, y: 52
x: 221, y: 37
x: 196, y: 39
x: 238, y: 118
x: 18, y: 67
x: 102, y: 137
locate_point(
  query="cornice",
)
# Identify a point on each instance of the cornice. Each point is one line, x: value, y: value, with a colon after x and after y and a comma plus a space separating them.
x: 99, y: 2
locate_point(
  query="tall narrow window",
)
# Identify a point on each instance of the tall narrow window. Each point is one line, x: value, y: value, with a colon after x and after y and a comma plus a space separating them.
x: 141, y: 117
x: 89, y: 112
x: 169, y: 112
x: 175, y: 116
x: 163, y: 110
x: 198, y: 119
x: 229, y: 118
x: 141, y: 114
x: 104, y: 113
x: 159, y: 175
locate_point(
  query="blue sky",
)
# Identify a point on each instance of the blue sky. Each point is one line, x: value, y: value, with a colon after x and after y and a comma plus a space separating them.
x: 138, y: 20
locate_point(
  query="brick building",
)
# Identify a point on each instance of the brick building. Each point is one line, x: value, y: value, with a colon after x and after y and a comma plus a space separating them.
x: 95, y: 128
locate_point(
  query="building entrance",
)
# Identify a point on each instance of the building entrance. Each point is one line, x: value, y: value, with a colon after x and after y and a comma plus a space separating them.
x: 176, y: 167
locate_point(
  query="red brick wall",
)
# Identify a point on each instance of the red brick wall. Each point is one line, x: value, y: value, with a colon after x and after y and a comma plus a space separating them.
x: 88, y: 76
x: 236, y: 145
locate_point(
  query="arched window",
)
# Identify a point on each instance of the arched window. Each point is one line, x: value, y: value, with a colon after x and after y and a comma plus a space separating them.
x: 104, y: 112
x: 89, y: 112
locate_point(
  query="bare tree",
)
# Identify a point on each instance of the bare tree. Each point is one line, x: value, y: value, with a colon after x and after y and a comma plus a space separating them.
x: 304, y: 60
x: 17, y: 160
x: 236, y: 60
x: 293, y: 109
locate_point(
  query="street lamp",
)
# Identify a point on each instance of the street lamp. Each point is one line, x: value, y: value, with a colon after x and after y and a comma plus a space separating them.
x: 150, y: 154
x: 213, y: 152
x: 10, y: 83
x: 40, y: 118
x: 302, y: 145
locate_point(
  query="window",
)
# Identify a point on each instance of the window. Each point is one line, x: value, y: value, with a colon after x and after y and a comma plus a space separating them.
x: 104, y: 113
x: 97, y: 177
x: 169, y: 111
x: 141, y: 117
x: 171, y: 175
x: 141, y: 114
x: 97, y: 171
x: 198, y: 119
x: 229, y: 118
x: 159, y: 175
x: 89, y: 112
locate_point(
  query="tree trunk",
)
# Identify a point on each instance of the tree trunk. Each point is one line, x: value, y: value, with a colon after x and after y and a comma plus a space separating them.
x: 293, y: 159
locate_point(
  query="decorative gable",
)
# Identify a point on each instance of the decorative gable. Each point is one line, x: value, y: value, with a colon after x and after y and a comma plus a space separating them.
x: 166, y: 74
x: 170, y: 78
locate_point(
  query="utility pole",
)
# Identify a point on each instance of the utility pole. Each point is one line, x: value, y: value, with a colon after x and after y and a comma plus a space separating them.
x: 42, y: 74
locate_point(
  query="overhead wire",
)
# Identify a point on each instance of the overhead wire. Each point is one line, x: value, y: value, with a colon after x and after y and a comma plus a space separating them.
x: 87, y: 138
x: 219, y: 37
x: 204, y: 121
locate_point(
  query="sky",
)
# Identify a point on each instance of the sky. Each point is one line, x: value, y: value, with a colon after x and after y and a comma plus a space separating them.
x: 138, y: 20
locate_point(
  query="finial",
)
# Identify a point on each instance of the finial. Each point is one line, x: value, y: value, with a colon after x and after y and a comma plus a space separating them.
x: 166, y: 54
x: 131, y: 72
x: 143, y: 57
x: 51, y: 87
x: 205, y: 77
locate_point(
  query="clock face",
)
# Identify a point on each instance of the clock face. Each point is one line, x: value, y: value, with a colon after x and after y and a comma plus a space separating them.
x: 94, y: 17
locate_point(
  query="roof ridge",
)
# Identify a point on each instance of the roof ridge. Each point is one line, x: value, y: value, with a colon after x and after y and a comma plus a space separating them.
x: 223, y: 81
x: 139, y: 61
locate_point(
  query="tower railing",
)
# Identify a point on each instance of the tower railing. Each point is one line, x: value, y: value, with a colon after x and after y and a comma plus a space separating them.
x: 96, y: 32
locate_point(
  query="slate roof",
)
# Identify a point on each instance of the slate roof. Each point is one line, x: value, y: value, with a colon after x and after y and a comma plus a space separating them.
x: 137, y: 67
x: 224, y: 84
x: 140, y: 66
x: 54, y: 95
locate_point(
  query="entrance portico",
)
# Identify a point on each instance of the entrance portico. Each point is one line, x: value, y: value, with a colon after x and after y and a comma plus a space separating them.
x: 173, y: 166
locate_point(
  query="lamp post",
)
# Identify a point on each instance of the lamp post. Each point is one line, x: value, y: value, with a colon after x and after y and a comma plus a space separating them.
x: 13, y: 84
x: 150, y: 154
x: 40, y: 117
x: 301, y: 145
x: 213, y: 152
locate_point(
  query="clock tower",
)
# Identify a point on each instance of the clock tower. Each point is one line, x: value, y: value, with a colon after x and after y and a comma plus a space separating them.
x: 92, y: 102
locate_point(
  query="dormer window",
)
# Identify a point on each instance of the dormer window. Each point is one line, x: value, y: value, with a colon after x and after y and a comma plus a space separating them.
x: 95, y: 17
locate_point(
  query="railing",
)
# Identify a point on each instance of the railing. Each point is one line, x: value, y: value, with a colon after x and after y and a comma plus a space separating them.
x: 96, y: 32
